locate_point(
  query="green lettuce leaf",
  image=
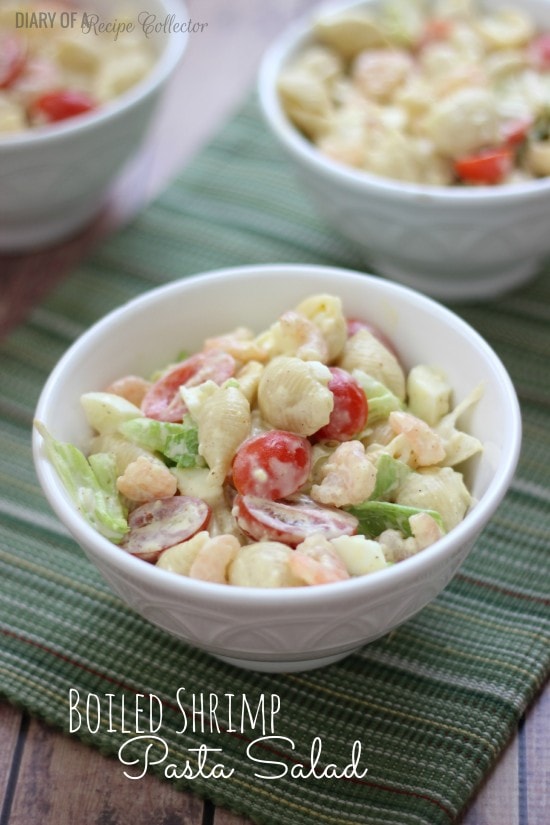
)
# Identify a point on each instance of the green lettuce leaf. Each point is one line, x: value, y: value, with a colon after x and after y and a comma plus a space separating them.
x: 376, y: 516
x: 179, y: 443
x: 381, y: 400
x: 91, y: 484
x: 390, y: 474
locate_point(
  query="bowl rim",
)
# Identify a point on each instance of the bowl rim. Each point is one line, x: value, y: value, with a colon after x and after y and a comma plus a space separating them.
x: 174, y: 46
x: 384, y: 581
x: 277, y: 55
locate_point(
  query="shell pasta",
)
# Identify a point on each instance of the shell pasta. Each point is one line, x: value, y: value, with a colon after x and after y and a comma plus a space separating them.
x: 277, y: 470
x: 58, y: 61
x: 436, y: 92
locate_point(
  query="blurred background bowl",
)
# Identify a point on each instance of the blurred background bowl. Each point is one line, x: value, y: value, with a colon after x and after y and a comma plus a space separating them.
x: 456, y: 243
x: 296, y: 628
x: 54, y: 179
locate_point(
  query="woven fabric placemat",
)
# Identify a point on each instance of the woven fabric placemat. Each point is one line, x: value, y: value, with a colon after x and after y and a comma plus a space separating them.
x: 433, y: 704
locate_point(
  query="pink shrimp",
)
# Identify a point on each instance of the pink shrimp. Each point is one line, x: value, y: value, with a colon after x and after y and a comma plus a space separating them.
x: 315, y: 562
x: 348, y: 476
x: 213, y: 559
x: 130, y: 387
x: 146, y: 480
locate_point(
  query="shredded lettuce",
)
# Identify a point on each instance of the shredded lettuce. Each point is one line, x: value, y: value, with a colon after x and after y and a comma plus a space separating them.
x: 179, y: 443
x: 381, y: 400
x: 376, y: 516
x: 390, y: 474
x: 91, y: 484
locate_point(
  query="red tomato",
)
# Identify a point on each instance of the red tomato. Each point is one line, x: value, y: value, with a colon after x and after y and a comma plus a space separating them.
x: 158, y: 525
x: 52, y: 107
x: 350, y: 411
x: 539, y: 52
x: 290, y: 521
x: 12, y: 60
x: 488, y: 167
x: 272, y: 465
x: 163, y: 402
x: 515, y: 131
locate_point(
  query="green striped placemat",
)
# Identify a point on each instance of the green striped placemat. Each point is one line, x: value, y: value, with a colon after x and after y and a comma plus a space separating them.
x: 432, y: 705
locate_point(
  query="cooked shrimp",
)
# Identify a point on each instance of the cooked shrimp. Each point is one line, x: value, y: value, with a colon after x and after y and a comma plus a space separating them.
x: 296, y: 336
x: 240, y: 343
x: 348, y: 477
x: 316, y: 562
x: 395, y: 547
x: 130, y: 387
x: 303, y: 336
x: 378, y: 72
x: 144, y: 480
x: 213, y: 559
x: 425, y: 531
x: 426, y: 446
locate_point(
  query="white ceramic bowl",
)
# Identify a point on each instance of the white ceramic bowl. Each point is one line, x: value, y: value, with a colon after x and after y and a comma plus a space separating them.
x: 296, y: 628
x: 54, y: 179
x: 452, y: 243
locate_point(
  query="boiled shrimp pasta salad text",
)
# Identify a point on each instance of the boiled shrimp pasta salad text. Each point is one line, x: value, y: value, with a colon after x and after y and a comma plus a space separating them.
x: 303, y: 455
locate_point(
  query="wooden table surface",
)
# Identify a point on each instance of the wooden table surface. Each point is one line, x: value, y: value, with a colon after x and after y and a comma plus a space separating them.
x: 46, y: 777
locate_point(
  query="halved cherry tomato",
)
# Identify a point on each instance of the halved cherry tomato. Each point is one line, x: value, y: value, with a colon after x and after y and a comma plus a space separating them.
x: 163, y: 401
x: 514, y: 132
x: 350, y: 411
x: 290, y: 521
x: 539, y: 52
x: 158, y: 525
x: 52, y: 107
x: 272, y: 465
x: 12, y: 60
x: 489, y: 166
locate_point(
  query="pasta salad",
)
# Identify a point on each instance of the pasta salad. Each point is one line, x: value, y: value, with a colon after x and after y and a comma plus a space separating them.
x: 437, y: 92
x: 57, y: 63
x: 301, y: 455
